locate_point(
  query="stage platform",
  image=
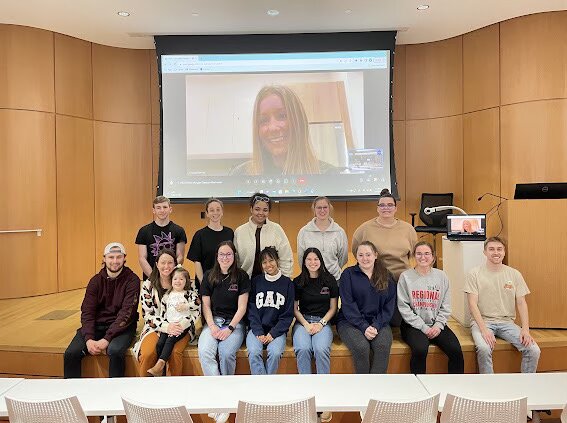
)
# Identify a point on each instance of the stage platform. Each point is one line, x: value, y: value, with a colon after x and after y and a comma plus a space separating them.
x: 36, y: 331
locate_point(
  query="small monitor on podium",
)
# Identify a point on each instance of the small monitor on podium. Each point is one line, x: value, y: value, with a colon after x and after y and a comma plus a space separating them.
x: 541, y: 191
x: 471, y: 227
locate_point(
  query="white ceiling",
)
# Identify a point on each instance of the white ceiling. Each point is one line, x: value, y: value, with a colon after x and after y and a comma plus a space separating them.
x: 97, y: 20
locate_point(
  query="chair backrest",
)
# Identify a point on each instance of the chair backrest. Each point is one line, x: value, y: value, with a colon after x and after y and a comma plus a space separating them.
x: 302, y: 411
x: 66, y: 410
x: 464, y: 410
x: 433, y: 200
x: 142, y: 413
x: 423, y: 411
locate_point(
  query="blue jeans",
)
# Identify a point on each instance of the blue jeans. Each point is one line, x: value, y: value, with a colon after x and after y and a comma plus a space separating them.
x: 209, y: 346
x: 306, y: 345
x: 255, y: 354
x: 509, y: 332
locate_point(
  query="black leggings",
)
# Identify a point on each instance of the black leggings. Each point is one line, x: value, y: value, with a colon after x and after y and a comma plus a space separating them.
x: 165, y: 344
x: 419, y: 344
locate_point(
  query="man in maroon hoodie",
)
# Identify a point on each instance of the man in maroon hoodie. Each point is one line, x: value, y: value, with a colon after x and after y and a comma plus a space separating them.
x: 109, y: 314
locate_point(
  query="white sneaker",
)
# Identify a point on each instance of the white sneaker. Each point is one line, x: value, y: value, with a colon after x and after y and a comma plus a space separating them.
x: 362, y: 415
x: 212, y: 415
x: 326, y: 416
x: 221, y: 417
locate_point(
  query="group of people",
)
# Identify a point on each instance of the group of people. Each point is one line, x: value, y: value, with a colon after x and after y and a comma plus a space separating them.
x: 244, y: 292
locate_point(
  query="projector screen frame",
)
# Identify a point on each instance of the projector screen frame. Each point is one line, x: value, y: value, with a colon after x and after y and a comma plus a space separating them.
x: 278, y: 43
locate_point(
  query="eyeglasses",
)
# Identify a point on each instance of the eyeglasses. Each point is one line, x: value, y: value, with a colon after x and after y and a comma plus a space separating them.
x: 427, y: 254
x: 261, y: 198
x: 225, y: 255
x: 387, y: 206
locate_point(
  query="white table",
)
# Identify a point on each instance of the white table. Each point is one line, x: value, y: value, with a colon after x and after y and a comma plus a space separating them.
x: 8, y: 383
x: 202, y: 394
x: 545, y: 391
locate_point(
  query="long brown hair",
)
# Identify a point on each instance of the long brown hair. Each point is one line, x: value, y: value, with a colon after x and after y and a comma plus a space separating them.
x: 379, y: 278
x: 215, y: 275
x: 154, y: 276
x: 300, y: 157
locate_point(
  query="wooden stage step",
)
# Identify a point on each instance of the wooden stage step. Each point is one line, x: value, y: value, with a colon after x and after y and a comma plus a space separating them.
x: 37, y: 331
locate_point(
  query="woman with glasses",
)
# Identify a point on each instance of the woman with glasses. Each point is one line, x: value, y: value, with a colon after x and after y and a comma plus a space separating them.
x: 225, y: 291
x: 323, y: 233
x: 393, y: 238
x: 206, y: 240
x: 424, y: 303
x: 258, y: 233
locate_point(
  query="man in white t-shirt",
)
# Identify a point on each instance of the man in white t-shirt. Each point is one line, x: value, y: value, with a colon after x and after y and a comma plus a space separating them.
x: 494, y: 290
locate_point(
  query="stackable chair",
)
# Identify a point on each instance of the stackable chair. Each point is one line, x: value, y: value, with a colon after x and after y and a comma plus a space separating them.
x: 302, y: 411
x: 464, y: 410
x: 423, y: 411
x: 138, y: 413
x: 66, y: 410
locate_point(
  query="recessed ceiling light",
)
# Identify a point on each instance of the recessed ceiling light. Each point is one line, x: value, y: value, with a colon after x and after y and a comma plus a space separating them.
x: 423, y: 7
x: 273, y: 12
x: 123, y: 13
x: 195, y: 14
x: 348, y: 11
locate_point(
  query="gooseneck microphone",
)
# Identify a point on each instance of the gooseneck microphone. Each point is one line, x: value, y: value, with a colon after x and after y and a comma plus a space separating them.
x: 493, y: 195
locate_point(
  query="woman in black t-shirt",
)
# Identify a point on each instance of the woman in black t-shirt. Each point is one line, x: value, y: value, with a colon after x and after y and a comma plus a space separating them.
x: 316, y: 298
x: 206, y: 240
x: 225, y: 298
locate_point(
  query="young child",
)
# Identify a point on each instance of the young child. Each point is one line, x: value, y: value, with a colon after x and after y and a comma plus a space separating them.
x: 179, y: 305
x: 270, y: 310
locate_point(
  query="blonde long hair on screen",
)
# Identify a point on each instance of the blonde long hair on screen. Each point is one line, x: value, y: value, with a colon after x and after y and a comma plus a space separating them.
x: 300, y: 156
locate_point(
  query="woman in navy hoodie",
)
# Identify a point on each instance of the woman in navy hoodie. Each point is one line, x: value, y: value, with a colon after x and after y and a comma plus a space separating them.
x: 270, y: 311
x: 368, y: 299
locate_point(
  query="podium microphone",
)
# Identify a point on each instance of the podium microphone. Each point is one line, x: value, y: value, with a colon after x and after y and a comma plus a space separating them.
x: 493, y: 195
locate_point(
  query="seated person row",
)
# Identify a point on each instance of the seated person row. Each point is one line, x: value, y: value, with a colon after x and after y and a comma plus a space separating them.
x: 154, y: 305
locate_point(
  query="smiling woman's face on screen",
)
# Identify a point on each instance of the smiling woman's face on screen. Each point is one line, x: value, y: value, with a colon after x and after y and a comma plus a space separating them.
x: 273, y: 128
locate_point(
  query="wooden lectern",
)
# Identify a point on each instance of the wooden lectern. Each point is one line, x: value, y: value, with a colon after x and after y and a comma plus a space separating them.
x: 536, y: 234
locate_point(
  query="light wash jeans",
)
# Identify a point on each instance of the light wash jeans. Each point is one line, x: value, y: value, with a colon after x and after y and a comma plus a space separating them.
x: 256, y: 350
x: 509, y: 332
x: 209, y: 346
x: 306, y: 345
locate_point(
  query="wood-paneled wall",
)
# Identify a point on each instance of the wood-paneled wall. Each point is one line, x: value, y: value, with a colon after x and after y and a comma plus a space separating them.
x: 79, y: 139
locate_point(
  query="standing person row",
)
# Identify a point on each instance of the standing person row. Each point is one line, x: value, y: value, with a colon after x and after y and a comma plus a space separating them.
x: 393, y: 238
x: 202, y: 251
x: 258, y: 233
x: 158, y: 235
x: 323, y: 233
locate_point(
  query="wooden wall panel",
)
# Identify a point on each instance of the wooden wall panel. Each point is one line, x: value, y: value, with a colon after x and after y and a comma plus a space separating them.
x: 400, y: 158
x: 534, y: 143
x: 27, y: 178
x: 481, y: 69
x: 434, y: 79
x: 534, y: 57
x: 154, y: 87
x: 121, y: 85
x: 73, y: 77
x: 434, y: 159
x: 26, y: 72
x: 399, y: 89
x: 123, y: 194
x: 155, y: 158
x: 481, y: 164
x: 75, y: 202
